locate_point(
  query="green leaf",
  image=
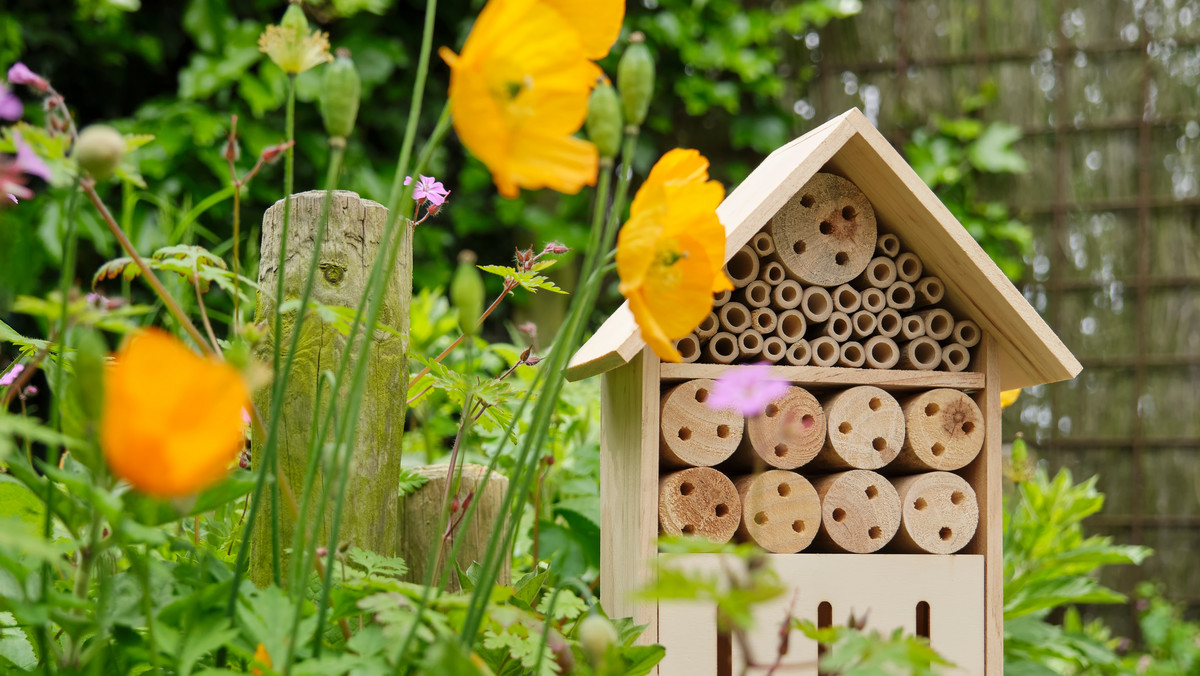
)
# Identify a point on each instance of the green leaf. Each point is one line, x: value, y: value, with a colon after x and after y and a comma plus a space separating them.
x: 14, y: 644
x: 992, y: 152
x: 410, y: 481
x: 18, y: 501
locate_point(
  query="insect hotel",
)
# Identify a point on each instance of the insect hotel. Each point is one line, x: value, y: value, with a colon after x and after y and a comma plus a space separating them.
x: 881, y: 494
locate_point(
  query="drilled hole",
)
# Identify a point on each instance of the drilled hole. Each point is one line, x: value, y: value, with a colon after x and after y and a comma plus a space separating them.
x: 688, y: 529
x: 761, y: 518
x: 686, y: 488
x: 772, y: 410
x: 784, y: 490
x: 874, y: 532
x: 872, y: 492
x: 957, y: 497
x: 807, y: 201
x: 968, y: 427
x: 932, y: 408
x: 825, y: 228
x: 841, y: 258
x: 721, y: 510
x: 938, y: 449
x: 799, y: 247
x: 846, y: 428
x: 781, y: 450
x: 839, y: 515
x: 701, y: 395
x: 723, y: 431
x: 879, y: 444
x: 876, y: 403
x: 848, y: 212
x: 798, y: 526
x: 945, y: 534
x: 684, y: 434
x: 807, y: 421
x: 920, y: 504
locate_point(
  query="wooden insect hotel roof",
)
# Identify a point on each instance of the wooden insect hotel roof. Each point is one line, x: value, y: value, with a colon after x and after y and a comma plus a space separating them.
x: 850, y: 146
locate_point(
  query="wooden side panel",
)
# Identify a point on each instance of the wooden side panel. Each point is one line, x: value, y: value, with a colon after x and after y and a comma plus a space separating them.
x: 629, y: 488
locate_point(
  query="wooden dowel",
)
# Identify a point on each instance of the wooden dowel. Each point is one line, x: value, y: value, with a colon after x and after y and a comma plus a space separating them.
x: 734, y: 316
x: 838, y: 327
x: 750, y: 343
x: 873, y: 299
x: 860, y: 511
x: 939, y: 323
x: 723, y: 348
x: 763, y: 244
x: 826, y: 233
x: 699, y: 501
x: 788, y: 294
x: 888, y: 323
x: 945, y: 431
x: 824, y: 351
x: 781, y: 511
x: 799, y: 353
x: 900, y: 296
x: 774, y: 349
x: 817, y: 304
x: 742, y: 267
x: 967, y: 333
x: 922, y: 353
x: 771, y: 272
x: 865, y: 429
x: 939, y: 513
x: 764, y: 320
x: 911, y: 327
x: 757, y: 294
x: 691, y: 433
x: 708, y: 327
x: 791, y: 326
x: 862, y: 324
x: 955, y: 357
x: 882, y: 353
x: 722, y: 298
x: 852, y: 355
x: 888, y: 245
x: 929, y: 291
x: 689, y: 348
x: 880, y: 273
x: 908, y: 267
x: 787, y: 435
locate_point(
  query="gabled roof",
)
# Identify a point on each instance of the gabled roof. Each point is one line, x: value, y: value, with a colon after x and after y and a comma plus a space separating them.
x: 850, y: 146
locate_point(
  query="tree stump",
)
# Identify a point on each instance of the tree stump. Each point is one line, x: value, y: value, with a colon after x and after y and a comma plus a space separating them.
x: 353, y: 238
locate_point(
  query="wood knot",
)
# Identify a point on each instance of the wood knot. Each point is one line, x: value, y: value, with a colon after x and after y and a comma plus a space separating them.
x: 334, y: 273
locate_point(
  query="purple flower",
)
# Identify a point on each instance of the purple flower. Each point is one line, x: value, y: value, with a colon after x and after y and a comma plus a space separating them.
x: 428, y: 188
x: 747, y: 389
x: 20, y: 74
x: 12, y: 182
x: 10, y: 105
x: 11, y: 377
x: 31, y: 391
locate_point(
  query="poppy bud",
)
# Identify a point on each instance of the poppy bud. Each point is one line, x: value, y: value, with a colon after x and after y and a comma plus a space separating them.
x: 635, y: 79
x: 295, y: 19
x: 340, y: 96
x: 467, y: 293
x: 596, y: 634
x: 604, y: 120
x: 99, y: 150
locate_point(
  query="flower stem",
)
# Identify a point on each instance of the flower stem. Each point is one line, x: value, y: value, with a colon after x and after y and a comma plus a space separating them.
x: 204, y: 314
x: 508, y: 287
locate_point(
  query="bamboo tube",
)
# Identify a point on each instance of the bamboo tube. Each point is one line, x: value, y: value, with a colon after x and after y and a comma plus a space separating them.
x: 689, y: 348
x: 900, y: 296
x: 772, y: 273
x: 862, y: 324
x: 691, y: 433
x: 787, y: 435
x: 865, y: 429
x: 911, y: 327
x: 764, y: 320
x: 860, y: 511
x: 908, y: 267
x: 817, y: 304
x: 939, y: 323
x: 742, y: 267
x: 922, y: 353
x: 709, y: 327
x: 722, y: 298
x: 799, y: 353
x: 873, y: 299
x: 852, y: 355
x: 945, y: 432
x: 734, y: 316
x: 929, y: 291
x: 888, y: 323
x: 757, y: 294
x: 838, y: 327
x: 882, y: 353
x: 939, y: 513
x: 750, y: 343
x: 781, y: 511
x: 763, y: 244
x: 791, y: 326
x: 967, y: 333
x: 788, y: 294
x: 774, y: 349
x: 888, y: 245
x: 826, y: 233
x: 955, y: 357
x: 699, y: 501
x: 723, y: 348
x: 824, y: 351
x: 846, y: 299
x: 880, y: 273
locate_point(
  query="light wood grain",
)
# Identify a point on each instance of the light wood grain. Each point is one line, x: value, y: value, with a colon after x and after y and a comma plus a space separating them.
x: 787, y: 435
x: 865, y: 429
x: 780, y: 510
x: 698, y: 501
x: 835, y: 377
x: 984, y: 475
x: 938, y: 513
x: 826, y: 233
x: 692, y: 433
x: 860, y: 511
x: 945, y: 431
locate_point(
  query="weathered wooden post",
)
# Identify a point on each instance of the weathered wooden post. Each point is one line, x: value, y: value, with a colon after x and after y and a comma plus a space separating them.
x: 354, y: 237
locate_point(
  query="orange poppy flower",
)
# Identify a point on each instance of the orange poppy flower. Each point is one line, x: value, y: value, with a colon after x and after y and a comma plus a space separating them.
x: 519, y: 91
x: 671, y: 251
x: 597, y: 22
x: 172, y: 422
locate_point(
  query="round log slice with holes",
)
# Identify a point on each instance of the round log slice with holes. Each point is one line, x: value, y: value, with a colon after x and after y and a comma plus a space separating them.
x: 945, y: 432
x: 826, y: 233
x: 938, y: 513
x: 865, y: 429
x: 698, y: 501
x: 860, y: 511
x: 780, y: 511
x: 788, y: 434
x: 694, y: 434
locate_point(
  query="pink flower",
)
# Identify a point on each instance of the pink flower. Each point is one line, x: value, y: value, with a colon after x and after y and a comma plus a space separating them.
x: 11, y: 377
x: 20, y: 74
x: 747, y: 389
x: 10, y: 105
x: 12, y: 182
x: 428, y: 188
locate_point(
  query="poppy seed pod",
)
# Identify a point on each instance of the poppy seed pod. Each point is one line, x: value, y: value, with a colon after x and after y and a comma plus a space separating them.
x: 99, y: 150
x: 635, y: 79
x: 596, y: 634
x: 466, y: 293
x: 604, y: 120
x: 340, y: 96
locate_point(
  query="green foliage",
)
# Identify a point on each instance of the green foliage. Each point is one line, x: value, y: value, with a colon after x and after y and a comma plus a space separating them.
x: 853, y: 652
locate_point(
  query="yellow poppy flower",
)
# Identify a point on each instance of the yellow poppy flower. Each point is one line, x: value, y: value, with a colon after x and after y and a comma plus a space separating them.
x: 261, y: 659
x: 1009, y: 397
x: 172, y: 422
x: 518, y: 93
x: 670, y: 253
x: 291, y: 46
x: 598, y: 22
